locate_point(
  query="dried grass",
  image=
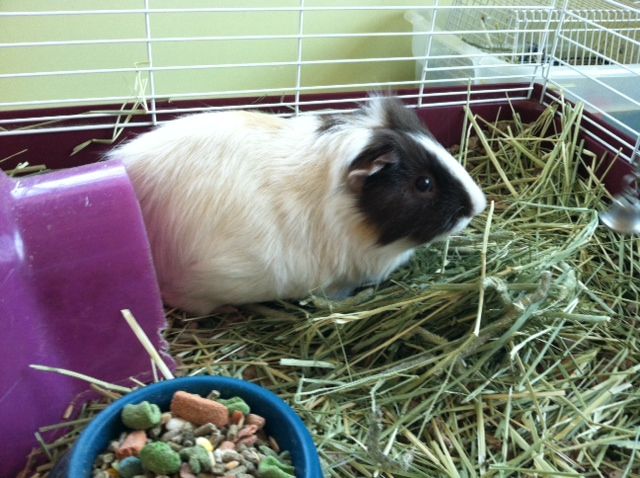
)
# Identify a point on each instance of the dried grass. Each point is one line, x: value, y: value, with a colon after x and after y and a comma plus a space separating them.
x: 511, y: 350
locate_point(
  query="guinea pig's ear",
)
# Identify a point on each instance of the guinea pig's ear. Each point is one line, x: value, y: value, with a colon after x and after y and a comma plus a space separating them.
x: 391, y: 113
x: 362, y: 168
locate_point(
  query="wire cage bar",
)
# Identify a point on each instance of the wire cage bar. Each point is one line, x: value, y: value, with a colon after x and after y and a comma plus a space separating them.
x: 590, y: 21
x: 465, y: 52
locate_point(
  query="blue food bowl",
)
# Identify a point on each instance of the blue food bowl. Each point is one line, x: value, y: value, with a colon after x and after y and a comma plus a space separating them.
x: 282, y: 423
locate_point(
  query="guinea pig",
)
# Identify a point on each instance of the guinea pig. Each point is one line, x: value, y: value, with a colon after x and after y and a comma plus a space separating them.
x: 246, y: 207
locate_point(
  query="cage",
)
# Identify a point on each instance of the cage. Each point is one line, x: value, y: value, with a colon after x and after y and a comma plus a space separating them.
x: 77, y: 78
x: 594, y: 45
x: 525, y: 31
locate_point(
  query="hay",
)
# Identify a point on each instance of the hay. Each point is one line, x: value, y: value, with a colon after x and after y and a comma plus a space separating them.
x: 511, y: 350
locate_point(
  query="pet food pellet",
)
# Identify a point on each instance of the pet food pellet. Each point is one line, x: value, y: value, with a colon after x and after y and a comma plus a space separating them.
x: 235, y: 403
x: 171, y: 435
x: 199, y: 410
x: 227, y: 445
x: 132, y: 444
x: 230, y: 455
x: 175, y: 446
x: 253, y: 419
x: 113, y: 473
x: 213, y: 395
x: 216, y: 438
x: 197, y: 458
x: 188, y: 439
x: 204, y: 443
x: 274, y: 444
x: 265, y: 450
x: 218, y: 469
x: 232, y: 464
x: 154, y: 432
x: 130, y: 467
x: 248, y: 441
x: 185, y: 471
x: 232, y: 432
x: 285, y: 455
x: 248, y: 431
x: 271, y: 467
x: 175, y: 424
x: 252, y: 456
x: 206, y: 429
x: 159, y: 458
x: 237, y: 471
x: 141, y: 416
x: 237, y: 418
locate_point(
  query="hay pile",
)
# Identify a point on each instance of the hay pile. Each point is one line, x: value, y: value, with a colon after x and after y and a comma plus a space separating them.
x: 395, y: 382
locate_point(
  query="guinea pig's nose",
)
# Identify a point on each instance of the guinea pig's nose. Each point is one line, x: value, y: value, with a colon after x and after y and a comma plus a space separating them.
x: 478, y: 202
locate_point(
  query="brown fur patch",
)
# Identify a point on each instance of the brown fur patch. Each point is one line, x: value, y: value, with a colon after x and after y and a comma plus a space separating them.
x: 366, y: 231
x: 256, y: 120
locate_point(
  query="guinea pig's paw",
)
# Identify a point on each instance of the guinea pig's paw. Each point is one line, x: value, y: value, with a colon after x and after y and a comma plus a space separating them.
x: 338, y: 293
x: 191, y: 305
x: 225, y: 309
x: 354, y: 298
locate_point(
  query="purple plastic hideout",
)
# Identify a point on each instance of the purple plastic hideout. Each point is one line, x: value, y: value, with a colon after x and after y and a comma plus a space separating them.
x: 73, y: 253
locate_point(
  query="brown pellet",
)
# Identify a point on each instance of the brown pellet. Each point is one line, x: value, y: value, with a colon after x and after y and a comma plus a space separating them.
x: 199, y: 410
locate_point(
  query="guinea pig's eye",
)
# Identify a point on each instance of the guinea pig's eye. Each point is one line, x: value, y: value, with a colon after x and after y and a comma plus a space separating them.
x: 424, y: 184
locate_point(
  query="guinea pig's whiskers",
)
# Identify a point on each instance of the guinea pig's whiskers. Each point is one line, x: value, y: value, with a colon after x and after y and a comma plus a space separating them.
x: 450, y: 224
x: 452, y: 221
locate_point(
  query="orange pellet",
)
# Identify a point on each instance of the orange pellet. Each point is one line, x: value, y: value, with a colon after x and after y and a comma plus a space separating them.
x: 237, y: 418
x: 198, y: 410
x: 227, y: 445
x: 133, y: 443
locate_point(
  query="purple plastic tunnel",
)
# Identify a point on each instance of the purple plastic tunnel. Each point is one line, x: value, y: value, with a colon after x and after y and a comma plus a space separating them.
x: 73, y: 253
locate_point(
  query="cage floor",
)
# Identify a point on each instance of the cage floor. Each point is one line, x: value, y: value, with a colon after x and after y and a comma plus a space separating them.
x: 393, y: 382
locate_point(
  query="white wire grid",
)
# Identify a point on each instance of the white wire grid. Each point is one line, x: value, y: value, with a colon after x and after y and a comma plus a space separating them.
x: 152, y: 70
x: 529, y: 27
x: 613, y: 94
x: 578, y: 40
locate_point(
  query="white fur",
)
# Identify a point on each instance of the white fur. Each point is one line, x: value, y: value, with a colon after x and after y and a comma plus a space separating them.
x: 245, y: 207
